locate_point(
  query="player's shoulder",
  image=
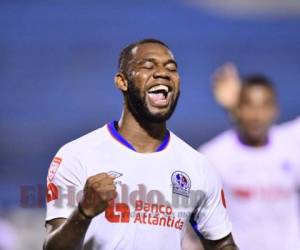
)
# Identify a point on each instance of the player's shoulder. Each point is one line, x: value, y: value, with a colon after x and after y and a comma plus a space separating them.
x: 85, y: 142
x: 290, y: 129
x: 285, y: 138
x: 225, y: 139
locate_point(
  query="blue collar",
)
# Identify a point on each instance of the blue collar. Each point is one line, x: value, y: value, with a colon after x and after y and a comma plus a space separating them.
x: 112, y: 127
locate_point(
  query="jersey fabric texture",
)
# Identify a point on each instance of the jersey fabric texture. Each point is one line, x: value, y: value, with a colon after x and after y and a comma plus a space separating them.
x: 157, y: 192
x: 261, y: 188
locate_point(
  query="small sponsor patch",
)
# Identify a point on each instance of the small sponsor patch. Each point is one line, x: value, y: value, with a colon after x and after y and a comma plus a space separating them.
x: 114, y: 174
x: 52, y: 192
x: 181, y: 183
x: 53, y: 168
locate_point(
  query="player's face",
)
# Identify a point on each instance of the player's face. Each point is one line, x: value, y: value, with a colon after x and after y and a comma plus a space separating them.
x: 153, y: 83
x: 256, y: 112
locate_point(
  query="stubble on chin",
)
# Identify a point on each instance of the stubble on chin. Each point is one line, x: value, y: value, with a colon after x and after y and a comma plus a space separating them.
x: 137, y: 105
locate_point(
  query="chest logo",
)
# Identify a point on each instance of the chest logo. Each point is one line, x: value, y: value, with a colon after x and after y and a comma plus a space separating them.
x: 181, y: 183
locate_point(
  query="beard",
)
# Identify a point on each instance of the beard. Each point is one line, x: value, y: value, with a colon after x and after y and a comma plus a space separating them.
x: 138, y: 107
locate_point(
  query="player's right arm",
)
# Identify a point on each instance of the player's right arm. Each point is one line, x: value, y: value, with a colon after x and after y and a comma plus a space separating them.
x: 69, y: 233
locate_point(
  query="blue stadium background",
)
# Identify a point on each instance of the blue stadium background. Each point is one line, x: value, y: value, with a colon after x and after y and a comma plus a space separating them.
x: 58, y: 59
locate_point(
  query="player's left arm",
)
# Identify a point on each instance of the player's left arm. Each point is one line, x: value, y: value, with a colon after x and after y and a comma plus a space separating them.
x: 226, y: 243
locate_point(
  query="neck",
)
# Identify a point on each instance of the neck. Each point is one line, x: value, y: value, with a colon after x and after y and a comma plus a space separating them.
x: 145, y: 137
x: 253, y: 142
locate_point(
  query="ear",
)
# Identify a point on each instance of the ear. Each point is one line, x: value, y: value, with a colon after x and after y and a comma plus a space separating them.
x: 121, y: 82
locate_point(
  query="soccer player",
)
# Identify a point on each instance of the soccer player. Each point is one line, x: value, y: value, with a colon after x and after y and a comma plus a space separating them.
x: 259, y: 164
x: 141, y: 183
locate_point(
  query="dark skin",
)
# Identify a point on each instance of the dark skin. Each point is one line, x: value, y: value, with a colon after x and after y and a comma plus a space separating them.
x: 254, y: 114
x: 253, y: 108
x: 225, y: 243
x: 69, y: 233
x: 192, y: 241
x: 151, y: 64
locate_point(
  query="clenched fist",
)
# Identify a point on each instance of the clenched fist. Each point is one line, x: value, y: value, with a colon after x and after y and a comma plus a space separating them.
x: 98, y: 191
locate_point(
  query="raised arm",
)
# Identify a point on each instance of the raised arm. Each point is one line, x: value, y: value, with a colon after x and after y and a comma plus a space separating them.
x: 68, y: 234
x: 226, y: 86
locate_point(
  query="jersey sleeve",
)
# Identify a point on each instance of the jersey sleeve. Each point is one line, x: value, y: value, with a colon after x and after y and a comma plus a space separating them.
x: 65, y: 182
x: 210, y: 218
x: 290, y: 132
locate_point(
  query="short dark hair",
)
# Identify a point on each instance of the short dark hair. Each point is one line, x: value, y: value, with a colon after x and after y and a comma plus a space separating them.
x: 125, y: 54
x: 258, y: 80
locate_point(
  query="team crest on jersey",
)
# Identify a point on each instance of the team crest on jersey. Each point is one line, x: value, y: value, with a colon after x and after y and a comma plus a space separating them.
x: 181, y: 183
x: 53, y: 168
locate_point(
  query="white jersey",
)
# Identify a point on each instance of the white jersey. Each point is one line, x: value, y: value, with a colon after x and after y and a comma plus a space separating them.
x: 292, y: 129
x: 260, y: 185
x: 157, y: 192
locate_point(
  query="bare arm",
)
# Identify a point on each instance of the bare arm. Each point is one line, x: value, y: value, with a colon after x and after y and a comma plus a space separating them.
x: 68, y: 234
x: 226, y: 243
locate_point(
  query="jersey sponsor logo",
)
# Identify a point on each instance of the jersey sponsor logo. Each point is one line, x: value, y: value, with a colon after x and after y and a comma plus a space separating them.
x: 243, y: 193
x: 181, y: 183
x: 53, y: 168
x: 144, y: 213
x: 117, y: 213
x: 52, y: 192
x: 273, y: 193
x: 156, y: 215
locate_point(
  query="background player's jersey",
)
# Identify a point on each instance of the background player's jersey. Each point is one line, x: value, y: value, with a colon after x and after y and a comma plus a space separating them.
x: 261, y: 189
x: 292, y: 130
x: 157, y: 192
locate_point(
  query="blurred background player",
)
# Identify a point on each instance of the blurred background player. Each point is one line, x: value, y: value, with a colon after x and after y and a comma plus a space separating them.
x: 258, y: 162
x: 226, y: 90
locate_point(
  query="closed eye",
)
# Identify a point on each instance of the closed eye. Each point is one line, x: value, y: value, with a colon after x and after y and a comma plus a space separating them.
x: 147, y: 65
x: 171, y: 67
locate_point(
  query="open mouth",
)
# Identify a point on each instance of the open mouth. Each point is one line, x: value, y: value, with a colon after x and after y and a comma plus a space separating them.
x: 159, y: 95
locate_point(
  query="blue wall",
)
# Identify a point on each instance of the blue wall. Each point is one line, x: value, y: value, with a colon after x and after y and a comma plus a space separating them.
x: 58, y: 59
